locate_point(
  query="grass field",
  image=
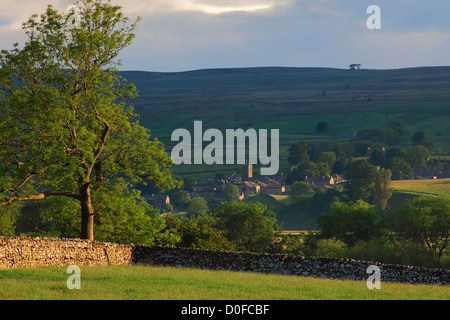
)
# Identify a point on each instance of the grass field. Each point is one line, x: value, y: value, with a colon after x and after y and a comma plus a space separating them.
x: 163, y: 283
x: 437, y: 187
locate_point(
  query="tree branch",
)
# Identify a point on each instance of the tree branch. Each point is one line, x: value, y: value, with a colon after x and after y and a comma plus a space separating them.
x: 43, y: 195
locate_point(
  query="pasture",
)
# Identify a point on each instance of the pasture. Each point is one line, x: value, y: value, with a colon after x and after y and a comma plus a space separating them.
x: 139, y: 282
x: 436, y: 187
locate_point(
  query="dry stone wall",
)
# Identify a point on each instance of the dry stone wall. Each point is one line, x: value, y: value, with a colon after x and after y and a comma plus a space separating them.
x: 286, y: 264
x: 21, y: 252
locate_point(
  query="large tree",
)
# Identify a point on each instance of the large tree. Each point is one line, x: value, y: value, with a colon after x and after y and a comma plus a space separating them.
x: 249, y: 226
x: 382, y: 190
x: 350, y: 222
x: 66, y: 123
x: 425, y: 220
x: 360, y: 179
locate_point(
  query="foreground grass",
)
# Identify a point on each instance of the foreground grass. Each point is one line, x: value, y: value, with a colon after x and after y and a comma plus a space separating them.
x: 154, y: 283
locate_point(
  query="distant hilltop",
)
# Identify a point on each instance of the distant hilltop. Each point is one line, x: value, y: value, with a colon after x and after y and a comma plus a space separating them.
x: 294, y: 100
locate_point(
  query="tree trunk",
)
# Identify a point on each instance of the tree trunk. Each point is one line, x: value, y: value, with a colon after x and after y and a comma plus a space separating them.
x: 87, y: 213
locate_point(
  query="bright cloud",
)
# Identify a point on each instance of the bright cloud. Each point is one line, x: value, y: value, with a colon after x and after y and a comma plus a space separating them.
x: 204, y: 6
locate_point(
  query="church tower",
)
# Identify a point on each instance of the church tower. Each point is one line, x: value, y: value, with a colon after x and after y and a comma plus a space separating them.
x: 247, y: 171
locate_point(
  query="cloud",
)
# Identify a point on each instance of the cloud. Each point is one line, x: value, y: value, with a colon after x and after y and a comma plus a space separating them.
x: 19, y: 12
x: 213, y: 7
x: 405, y: 49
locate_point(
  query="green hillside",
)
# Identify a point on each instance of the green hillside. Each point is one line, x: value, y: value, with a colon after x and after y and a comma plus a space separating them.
x: 294, y: 100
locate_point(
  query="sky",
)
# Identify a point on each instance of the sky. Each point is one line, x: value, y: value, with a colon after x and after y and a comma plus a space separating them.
x: 183, y: 35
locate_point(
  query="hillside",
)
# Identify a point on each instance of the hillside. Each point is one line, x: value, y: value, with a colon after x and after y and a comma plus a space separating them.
x: 294, y: 100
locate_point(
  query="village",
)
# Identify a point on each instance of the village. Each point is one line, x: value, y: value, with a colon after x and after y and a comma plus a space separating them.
x: 248, y: 184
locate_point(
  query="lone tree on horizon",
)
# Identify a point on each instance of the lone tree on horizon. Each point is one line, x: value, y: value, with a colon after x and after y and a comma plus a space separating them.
x: 66, y: 123
x: 355, y: 66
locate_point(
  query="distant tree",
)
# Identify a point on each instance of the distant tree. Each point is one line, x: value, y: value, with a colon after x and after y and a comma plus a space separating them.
x: 355, y: 66
x: 398, y: 128
x: 197, y: 205
x: 194, y: 233
x: 418, y: 137
x: 168, y: 207
x: 424, y: 220
x: 400, y: 169
x: 382, y: 191
x: 349, y: 222
x: 417, y: 156
x: 360, y: 179
x: 323, y: 169
x: 322, y: 127
x: 328, y: 157
x: 377, y: 158
x: 51, y: 217
x: 305, y: 169
x: 394, y: 153
x: 232, y: 192
x: 299, y: 189
x: 249, y: 226
x: 180, y: 198
x: 298, y: 154
x: 220, y: 176
x: 339, y: 167
x: 188, y: 182
x: 8, y: 217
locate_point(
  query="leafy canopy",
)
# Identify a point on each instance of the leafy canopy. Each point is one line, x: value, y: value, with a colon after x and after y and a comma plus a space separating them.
x: 66, y: 122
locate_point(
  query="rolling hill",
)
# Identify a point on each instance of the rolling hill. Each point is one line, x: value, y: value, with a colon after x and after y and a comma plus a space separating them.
x: 294, y: 100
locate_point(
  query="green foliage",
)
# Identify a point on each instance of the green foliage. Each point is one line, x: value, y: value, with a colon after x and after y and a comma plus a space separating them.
x: 332, y: 248
x: 51, y: 217
x: 349, y: 222
x: 299, y: 189
x: 395, y: 153
x: 249, y: 226
x: 328, y: 157
x: 197, y: 205
x: 360, y: 179
x: 197, y: 233
x: 377, y: 158
x: 232, y: 192
x: 298, y: 153
x: 308, y: 169
x: 382, y: 191
x: 418, y: 137
x: 417, y: 156
x: 424, y: 220
x: 66, y: 122
x: 400, y: 169
x: 124, y: 217
x: 8, y: 219
x: 180, y: 199
x: 322, y: 127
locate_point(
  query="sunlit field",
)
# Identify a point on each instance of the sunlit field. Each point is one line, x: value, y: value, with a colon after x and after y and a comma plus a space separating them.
x: 166, y: 283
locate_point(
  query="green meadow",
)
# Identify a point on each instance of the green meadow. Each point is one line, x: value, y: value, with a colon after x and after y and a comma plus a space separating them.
x: 167, y: 283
